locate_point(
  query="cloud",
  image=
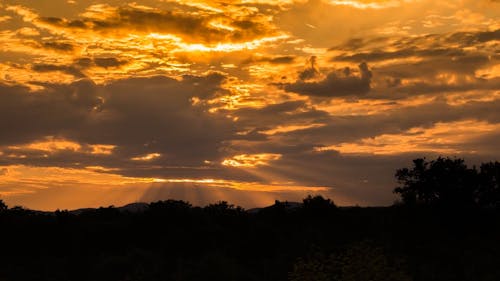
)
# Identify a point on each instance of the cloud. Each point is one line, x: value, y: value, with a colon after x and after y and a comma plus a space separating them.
x: 103, y: 62
x: 4, y: 171
x: 341, y: 129
x: 56, y: 109
x: 59, y: 46
x: 426, y: 64
x: 439, y: 138
x: 429, y: 45
x: 378, y: 55
x: 273, y: 115
x: 270, y: 59
x: 335, y: 84
x: 311, y: 71
x: 5, y: 18
x: 139, y: 116
x: 71, y: 70
x: 200, y: 26
x: 108, y: 62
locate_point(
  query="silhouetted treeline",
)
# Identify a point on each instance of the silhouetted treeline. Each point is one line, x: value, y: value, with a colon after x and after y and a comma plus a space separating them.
x: 449, y: 183
x: 310, y: 240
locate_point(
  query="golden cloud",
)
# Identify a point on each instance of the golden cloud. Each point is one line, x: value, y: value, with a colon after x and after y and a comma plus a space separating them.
x: 147, y: 157
x: 192, y: 27
x: 251, y: 160
x: 444, y: 138
x: 53, y: 145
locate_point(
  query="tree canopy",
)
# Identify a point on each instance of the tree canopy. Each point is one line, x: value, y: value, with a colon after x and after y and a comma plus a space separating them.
x: 450, y: 183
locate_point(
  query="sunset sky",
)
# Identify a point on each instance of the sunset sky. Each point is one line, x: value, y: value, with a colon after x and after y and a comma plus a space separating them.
x: 111, y: 102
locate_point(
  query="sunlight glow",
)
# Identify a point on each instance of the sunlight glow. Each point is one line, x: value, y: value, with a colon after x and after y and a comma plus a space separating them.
x: 147, y: 157
x: 290, y: 128
x: 105, y: 149
x: 369, y: 4
x: 219, y: 47
x: 221, y: 26
x: 52, y: 144
x: 251, y: 160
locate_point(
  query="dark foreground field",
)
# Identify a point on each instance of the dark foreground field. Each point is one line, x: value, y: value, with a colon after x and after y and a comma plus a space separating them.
x: 170, y: 240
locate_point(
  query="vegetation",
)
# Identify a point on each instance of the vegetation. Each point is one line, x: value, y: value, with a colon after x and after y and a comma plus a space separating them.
x: 359, y: 262
x: 446, y: 182
x: 446, y: 228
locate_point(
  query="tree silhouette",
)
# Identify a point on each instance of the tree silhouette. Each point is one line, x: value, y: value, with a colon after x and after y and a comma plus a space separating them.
x: 443, y: 181
x: 3, y: 206
x: 449, y: 182
x: 318, y: 204
x: 169, y: 206
x: 489, y: 185
x: 223, y: 208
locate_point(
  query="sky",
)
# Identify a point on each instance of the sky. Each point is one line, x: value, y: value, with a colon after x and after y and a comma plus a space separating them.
x: 107, y: 102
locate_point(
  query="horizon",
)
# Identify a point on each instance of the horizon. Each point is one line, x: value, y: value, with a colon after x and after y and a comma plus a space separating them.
x: 193, y: 205
x: 108, y: 102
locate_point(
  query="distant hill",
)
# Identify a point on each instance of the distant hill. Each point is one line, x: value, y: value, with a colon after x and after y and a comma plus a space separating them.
x: 132, y: 208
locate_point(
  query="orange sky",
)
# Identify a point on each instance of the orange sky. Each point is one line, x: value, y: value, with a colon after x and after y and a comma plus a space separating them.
x: 112, y: 102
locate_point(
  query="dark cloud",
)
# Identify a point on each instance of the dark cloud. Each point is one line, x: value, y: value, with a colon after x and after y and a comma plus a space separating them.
x: 426, y: 64
x: 58, y: 46
x: 108, y: 62
x: 140, y: 116
x: 336, y: 84
x: 434, y: 76
x: 472, y: 38
x: 271, y: 60
x: 282, y: 60
x: 63, y: 68
x: 379, y: 55
x: 192, y: 27
x: 160, y: 113
x: 339, y: 129
x: 429, y: 88
x: 26, y: 116
x: 311, y: 70
x: 105, y: 62
x: 84, y: 62
x: 422, y: 45
x: 271, y: 116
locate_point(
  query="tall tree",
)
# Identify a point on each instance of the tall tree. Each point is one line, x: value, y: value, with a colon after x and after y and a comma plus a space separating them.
x: 440, y: 182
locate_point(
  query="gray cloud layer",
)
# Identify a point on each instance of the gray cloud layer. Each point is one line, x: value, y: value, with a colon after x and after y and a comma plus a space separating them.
x: 336, y: 83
